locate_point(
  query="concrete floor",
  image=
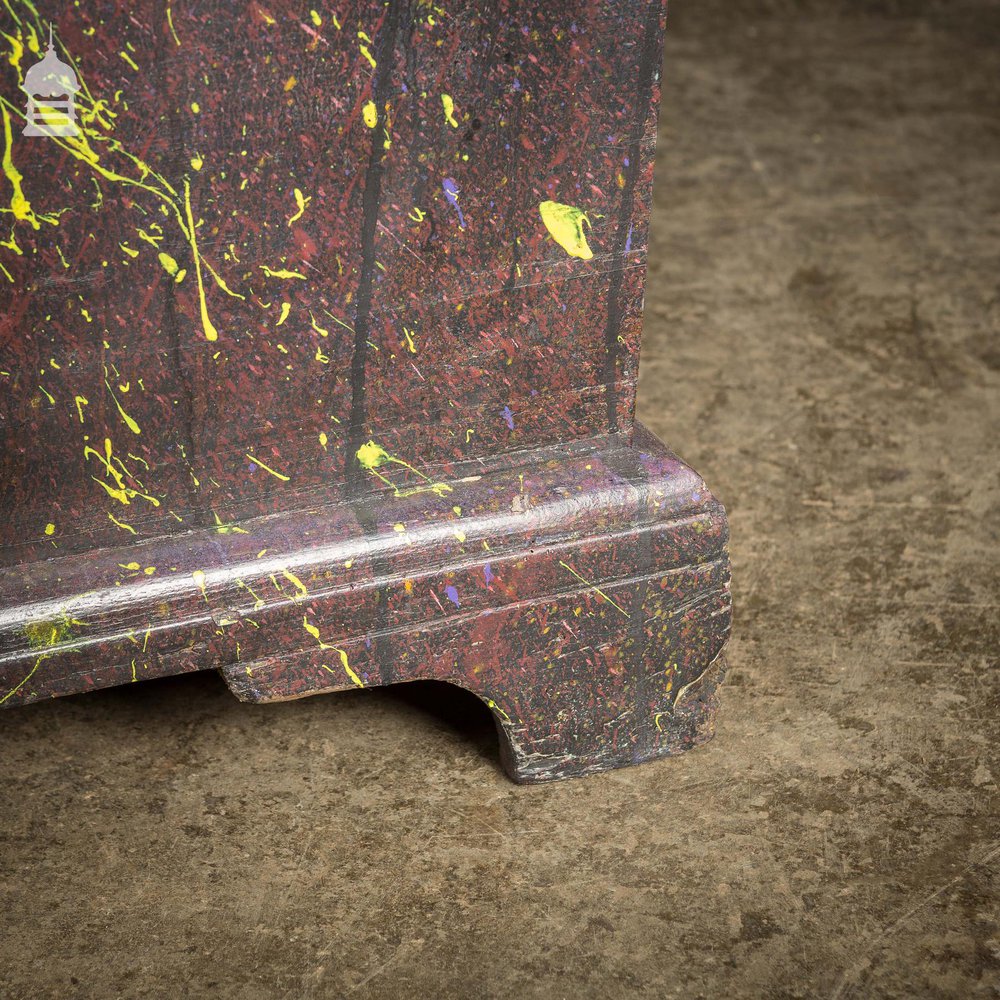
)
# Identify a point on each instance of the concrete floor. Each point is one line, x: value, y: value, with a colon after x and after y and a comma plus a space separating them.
x: 822, y: 343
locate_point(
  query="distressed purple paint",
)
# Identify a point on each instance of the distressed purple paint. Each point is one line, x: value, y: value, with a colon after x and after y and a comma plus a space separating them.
x: 257, y: 430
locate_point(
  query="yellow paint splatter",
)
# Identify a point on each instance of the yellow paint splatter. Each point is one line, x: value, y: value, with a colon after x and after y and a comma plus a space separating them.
x: 282, y: 273
x: 226, y: 528
x: 347, y: 668
x: 117, y: 470
x: 197, y: 162
x: 46, y: 634
x: 277, y: 475
x: 320, y: 330
x: 365, y: 51
x: 301, y: 202
x: 30, y: 674
x: 323, y: 439
x: 20, y: 207
x: 129, y: 60
x: 81, y: 401
x: 315, y: 633
x: 286, y: 308
x: 496, y: 708
x: 129, y: 422
x: 449, y: 110
x: 299, y: 585
x: 565, y: 225
x: 372, y: 457
x: 50, y: 528
x: 170, y: 22
x: 121, y: 524
x: 597, y: 589
x: 171, y: 267
x: 199, y: 578
x: 370, y: 114
x: 408, y: 334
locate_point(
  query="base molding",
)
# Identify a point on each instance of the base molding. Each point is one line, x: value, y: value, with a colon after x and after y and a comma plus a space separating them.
x: 581, y: 592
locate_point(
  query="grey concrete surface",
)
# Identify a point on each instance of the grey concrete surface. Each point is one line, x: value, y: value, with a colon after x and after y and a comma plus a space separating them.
x: 822, y: 343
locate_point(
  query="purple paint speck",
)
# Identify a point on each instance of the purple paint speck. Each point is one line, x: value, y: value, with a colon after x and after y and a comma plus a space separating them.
x: 452, y: 595
x: 628, y: 240
x: 508, y: 417
x: 450, y: 189
x: 487, y: 573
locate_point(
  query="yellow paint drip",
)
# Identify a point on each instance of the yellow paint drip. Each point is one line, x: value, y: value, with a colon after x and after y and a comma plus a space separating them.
x: 210, y: 332
x: 19, y: 205
x: 449, y: 110
x: 565, y: 225
x: 129, y: 422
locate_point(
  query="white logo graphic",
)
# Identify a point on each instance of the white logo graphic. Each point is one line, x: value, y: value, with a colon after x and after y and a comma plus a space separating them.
x: 50, y: 85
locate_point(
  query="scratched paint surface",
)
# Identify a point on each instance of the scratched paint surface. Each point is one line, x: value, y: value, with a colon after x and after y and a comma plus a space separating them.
x: 285, y: 232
